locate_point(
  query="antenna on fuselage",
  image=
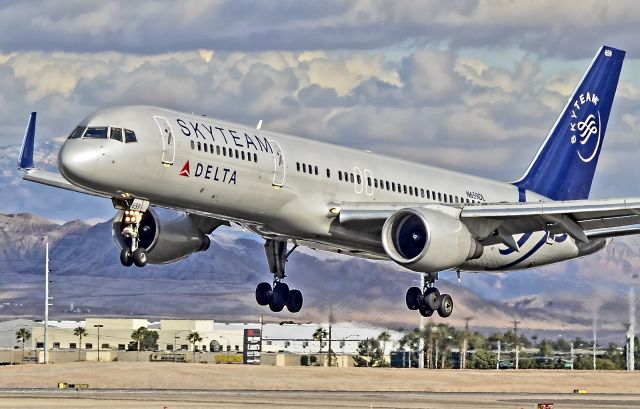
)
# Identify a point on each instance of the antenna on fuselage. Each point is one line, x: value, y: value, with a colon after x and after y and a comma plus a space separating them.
x: 259, y: 124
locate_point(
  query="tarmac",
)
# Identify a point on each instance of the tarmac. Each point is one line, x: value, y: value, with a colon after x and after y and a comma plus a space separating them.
x: 170, y: 385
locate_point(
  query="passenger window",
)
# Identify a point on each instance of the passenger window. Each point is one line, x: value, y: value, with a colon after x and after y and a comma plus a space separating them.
x: 242, y: 155
x: 129, y: 136
x: 393, y: 186
x: 340, y: 175
x: 352, y: 178
x: 328, y: 173
x: 298, y: 166
x: 415, y: 191
x: 411, y: 190
x: 359, y: 179
x: 98, y: 132
x: 450, y: 199
x: 255, y: 157
x: 205, y: 147
x: 368, y: 181
x: 304, y: 167
x: 237, y: 154
x: 404, y: 188
x: 315, y: 170
x: 199, y: 146
x: 193, y: 144
x: 375, y: 183
x: 439, y: 197
x: 218, y: 150
x: 211, y: 148
x: 77, y: 133
x: 387, y: 184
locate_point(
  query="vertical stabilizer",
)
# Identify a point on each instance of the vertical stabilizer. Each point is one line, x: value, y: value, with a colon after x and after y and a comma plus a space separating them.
x: 26, y: 152
x: 564, y: 166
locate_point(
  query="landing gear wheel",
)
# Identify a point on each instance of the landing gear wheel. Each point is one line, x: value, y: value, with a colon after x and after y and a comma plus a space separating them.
x: 413, y: 297
x: 432, y: 298
x: 446, y: 306
x: 140, y: 257
x: 425, y: 311
x: 279, y: 297
x: 294, y: 303
x: 126, y: 257
x: 263, y: 293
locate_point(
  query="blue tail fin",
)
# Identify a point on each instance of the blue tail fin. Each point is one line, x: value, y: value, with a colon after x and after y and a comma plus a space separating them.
x: 564, y: 166
x: 26, y: 153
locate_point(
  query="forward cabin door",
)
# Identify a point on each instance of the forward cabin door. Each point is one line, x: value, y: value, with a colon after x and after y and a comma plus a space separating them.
x: 278, y: 164
x: 168, y: 141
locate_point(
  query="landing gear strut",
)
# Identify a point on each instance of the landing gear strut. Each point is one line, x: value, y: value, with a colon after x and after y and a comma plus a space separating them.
x: 279, y: 295
x: 134, y: 254
x: 428, y: 299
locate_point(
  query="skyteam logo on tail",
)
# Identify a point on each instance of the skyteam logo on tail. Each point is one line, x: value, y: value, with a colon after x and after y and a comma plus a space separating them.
x: 585, y: 126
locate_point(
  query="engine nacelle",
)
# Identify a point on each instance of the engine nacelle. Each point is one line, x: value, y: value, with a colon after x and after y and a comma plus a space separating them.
x: 166, y: 235
x: 428, y: 240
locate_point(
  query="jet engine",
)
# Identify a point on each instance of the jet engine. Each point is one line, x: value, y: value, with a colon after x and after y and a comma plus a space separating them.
x: 166, y: 235
x: 428, y: 240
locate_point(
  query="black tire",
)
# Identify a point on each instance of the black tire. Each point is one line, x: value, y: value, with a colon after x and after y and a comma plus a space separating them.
x: 140, y: 257
x: 446, y: 306
x: 280, y: 293
x: 425, y: 311
x: 431, y: 298
x: 294, y: 303
x: 126, y: 257
x: 276, y: 307
x: 413, y: 297
x: 263, y: 293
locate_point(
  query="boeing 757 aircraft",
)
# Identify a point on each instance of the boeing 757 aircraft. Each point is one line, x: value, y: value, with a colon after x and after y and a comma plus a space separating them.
x: 292, y: 190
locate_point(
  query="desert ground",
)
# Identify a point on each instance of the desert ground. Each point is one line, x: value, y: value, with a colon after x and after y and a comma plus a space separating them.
x: 170, y: 385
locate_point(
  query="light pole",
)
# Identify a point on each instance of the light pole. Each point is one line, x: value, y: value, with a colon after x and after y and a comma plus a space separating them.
x: 98, y: 326
x: 175, y: 338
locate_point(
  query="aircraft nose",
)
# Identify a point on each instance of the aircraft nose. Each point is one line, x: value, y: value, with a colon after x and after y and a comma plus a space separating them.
x: 77, y: 162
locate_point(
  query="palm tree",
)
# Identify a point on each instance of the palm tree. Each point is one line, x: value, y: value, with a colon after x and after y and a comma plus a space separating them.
x: 319, y: 335
x: 384, y: 337
x: 138, y: 336
x: 23, y: 335
x: 80, y: 332
x: 194, y: 337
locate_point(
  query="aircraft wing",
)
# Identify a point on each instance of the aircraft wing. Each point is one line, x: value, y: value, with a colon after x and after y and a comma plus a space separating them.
x: 32, y: 174
x: 497, y: 223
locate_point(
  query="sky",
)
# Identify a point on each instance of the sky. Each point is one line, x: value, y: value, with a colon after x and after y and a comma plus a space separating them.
x: 467, y: 85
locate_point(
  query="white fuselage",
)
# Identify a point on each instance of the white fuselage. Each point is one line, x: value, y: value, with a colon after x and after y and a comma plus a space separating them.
x: 281, y: 186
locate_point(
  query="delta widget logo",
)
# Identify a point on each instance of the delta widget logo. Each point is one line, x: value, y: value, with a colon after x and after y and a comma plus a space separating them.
x: 185, y: 170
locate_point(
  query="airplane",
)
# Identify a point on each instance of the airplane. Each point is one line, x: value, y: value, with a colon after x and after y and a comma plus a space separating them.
x: 209, y: 173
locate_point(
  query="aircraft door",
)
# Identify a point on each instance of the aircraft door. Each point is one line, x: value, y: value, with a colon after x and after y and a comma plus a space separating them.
x: 358, y: 180
x: 168, y: 141
x: 278, y: 164
x: 368, y: 188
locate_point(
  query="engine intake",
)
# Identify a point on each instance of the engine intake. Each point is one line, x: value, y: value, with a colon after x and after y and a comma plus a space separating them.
x: 428, y: 240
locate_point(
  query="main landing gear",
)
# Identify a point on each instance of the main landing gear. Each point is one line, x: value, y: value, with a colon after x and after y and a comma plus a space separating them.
x: 428, y: 299
x: 132, y: 254
x: 279, y: 295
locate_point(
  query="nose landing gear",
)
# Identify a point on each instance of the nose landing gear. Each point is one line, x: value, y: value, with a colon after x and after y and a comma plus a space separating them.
x: 428, y: 299
x: 279, y: 295
x: 134, y: 254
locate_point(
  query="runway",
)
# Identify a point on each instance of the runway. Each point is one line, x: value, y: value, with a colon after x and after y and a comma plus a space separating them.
x: 180, y: 398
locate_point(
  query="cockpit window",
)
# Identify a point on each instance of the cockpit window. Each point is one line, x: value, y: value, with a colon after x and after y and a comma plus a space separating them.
x: 77, y: 133
x: 129, y: 136
x: 116, y: 133
x: 97, y: 132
